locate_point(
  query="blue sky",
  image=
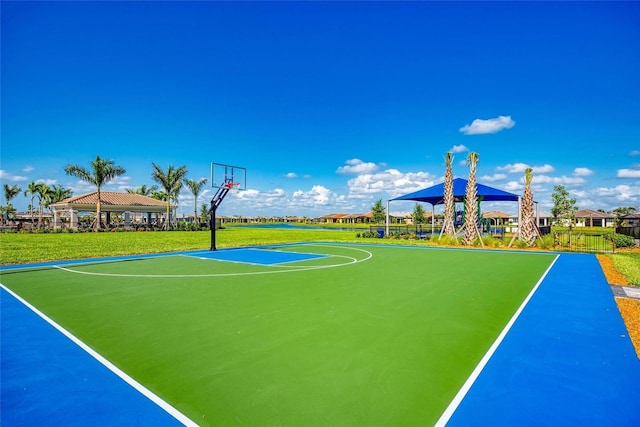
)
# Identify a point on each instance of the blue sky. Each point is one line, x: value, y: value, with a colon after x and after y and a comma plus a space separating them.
x: 329, y: 105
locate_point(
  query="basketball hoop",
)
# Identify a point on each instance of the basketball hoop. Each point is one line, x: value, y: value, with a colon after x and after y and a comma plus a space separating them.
x: 233, y: 187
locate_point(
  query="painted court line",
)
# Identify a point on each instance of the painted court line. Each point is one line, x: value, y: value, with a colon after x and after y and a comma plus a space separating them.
x: 110, y: 366
x: 448, y: 413
x: 568, y: 360
x: 283, y: 268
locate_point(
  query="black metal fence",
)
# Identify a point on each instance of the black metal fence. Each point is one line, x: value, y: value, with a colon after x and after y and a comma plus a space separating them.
x: 629, y: 231
x: 422, y: 231
x: 579, y: 242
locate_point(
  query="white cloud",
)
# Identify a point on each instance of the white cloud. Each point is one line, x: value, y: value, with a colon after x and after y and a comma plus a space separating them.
x: 620, y: 193
x: 318, y: 195
x: 634, y: 153
x: 27, y: 169
x: 557, y: 180
x: 10, y: 177
x: 492, y: 178
x: 357, y: 166
x: 458, y: 149
x: 120, y: 180
x: 291, y: 175
x: 513, y: 187
x: 394, y: 182
x: 628, y: 173
x: 480, y: 126
x: 521, y: 167
x: 582, y: 172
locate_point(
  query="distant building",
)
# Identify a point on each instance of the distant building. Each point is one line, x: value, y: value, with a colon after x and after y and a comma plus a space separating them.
x: 591, y: 218
x: 630, y: 220
x: 134, y: 208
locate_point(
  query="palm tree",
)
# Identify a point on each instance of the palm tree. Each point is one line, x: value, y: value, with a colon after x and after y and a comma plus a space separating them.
x: 195, y: 187
x: 59, y: 193
x: 448, y: 228
x: 32, y: 190
x: 9, y: 193
x: 101, y: 172
x: 471, y: 201
x: 44, y: 194
x: 528, y: 230
x: 171, y: 182
x: 143, y: 190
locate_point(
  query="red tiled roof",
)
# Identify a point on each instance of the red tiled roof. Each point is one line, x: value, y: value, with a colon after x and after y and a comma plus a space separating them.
x: 111, y: 198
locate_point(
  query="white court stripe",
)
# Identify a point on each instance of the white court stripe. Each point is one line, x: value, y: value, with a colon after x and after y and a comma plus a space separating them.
x: 448, y: 413
x: 133, y: 383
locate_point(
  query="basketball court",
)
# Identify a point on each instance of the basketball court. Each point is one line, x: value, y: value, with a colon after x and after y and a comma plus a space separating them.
x: 315, y: 335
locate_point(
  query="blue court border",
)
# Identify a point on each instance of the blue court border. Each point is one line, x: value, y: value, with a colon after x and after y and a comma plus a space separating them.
x: 567, y: 360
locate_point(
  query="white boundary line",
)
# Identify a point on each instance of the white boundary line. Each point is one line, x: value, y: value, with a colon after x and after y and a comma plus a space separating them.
x: 453, y: 406
x: 286, y: 268
x: 133, y: 383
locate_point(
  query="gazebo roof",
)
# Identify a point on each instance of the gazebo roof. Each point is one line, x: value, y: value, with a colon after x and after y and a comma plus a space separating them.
x: 112, y: 201
x: 435, y: 194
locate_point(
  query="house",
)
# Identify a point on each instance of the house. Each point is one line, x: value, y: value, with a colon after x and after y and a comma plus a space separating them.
x: 591, y: 218
x: 630, y: 220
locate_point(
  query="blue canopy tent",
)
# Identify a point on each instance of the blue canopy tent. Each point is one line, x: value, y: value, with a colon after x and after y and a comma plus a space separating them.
x: 435, y: 195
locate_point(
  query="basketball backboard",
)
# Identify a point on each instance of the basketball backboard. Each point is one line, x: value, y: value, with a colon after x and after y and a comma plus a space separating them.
x: 228, y: 176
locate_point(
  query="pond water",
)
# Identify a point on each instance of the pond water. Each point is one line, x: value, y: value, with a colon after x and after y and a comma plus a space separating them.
x: 302, y: 227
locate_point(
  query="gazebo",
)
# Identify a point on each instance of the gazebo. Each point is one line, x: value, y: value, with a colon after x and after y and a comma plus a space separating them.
x: 434, y: 195
x: 110, y: 202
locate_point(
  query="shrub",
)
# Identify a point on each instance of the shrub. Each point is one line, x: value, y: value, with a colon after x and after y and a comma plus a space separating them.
x: 547, y: 242
x: 620, y: 240
x: 447, y: 240
x: 521, y: 244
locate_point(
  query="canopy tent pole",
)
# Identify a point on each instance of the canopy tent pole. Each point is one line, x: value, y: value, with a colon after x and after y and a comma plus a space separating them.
x: 433, y: 219
x: 386, y: 231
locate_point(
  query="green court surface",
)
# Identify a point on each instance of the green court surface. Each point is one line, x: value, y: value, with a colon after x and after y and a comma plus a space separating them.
x: 311, y: 335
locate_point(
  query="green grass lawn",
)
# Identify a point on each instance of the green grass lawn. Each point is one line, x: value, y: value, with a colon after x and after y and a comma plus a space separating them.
x: 385, y: 341
x: 628, y: 264
x: 27, y: 248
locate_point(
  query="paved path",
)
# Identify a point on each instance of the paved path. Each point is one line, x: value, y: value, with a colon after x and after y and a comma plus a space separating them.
x: 625, y: 292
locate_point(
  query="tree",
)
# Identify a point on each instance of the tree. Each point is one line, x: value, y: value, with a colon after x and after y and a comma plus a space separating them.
x: 9, y: 193
x: 563, y: 208
x: 44, y: 195
x: 195, y: 187
x: 101, y: 172
x: 204, y: 213
x: 160, y: 195
x: 171, y: 182
x: 143, y: 190
x: 528, y: 230
x: 58, y: 193
x: 448, y: 228
x: 378, y: 212
x: 32, y: 190
x: 471, y: 232
x: 418, y: 214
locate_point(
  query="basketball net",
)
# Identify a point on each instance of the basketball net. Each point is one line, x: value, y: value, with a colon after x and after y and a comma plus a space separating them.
x: 233, y: 187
